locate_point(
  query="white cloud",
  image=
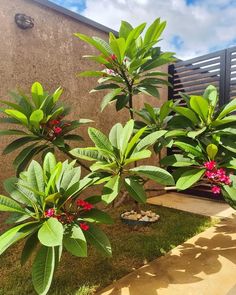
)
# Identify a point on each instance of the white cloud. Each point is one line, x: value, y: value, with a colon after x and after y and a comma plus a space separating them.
x: 205, y: 26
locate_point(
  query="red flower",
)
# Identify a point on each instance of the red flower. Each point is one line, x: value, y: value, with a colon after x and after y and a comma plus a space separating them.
x: 80, y: 203
x: 113, y: 57
x: 227, y: 180
x: 57, y: 130
x: 84, y: 226
x: 210, y: 175
x: 210, y: 165
x: 215, y: 189
x: 55, y: 122
x: 49, y: 213
x: 85, y: 205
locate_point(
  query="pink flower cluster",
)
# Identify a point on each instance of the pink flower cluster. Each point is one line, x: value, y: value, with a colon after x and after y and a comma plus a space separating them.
x: 216, y: 176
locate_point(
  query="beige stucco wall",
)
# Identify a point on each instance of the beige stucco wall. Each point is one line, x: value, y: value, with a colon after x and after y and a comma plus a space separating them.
x: 50, y: 54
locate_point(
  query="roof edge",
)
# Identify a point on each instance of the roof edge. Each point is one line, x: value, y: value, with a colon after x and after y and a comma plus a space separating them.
x: 75, y: 16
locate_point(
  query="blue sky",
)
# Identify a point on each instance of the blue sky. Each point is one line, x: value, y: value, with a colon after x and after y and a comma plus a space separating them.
x: 194, y: 27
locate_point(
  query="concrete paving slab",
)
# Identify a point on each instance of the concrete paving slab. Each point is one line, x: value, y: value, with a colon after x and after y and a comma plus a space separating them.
x: 204, y: 265
x: 193, y: 204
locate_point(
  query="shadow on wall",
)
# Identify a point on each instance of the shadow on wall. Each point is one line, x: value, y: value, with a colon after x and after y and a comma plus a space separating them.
x: 192, y: 264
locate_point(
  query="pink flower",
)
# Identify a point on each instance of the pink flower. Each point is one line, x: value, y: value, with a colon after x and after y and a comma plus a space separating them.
x: 227, y: 180
x: 215, y: 189
x: 84, y: 226
x: 210, y: 165
x: 55, y: 122
x: 88, y: 206
x: 57, y: 130
x: 49, y: 213
x: 80, y: 203
x: 210, y: 175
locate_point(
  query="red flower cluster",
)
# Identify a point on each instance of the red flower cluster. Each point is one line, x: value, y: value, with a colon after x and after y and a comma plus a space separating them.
x: 64, y: 218
x: 50, y: 212
x: 84, y: 226
x: 54, y: 128
x: 216, y: 176
x: 84, y: 205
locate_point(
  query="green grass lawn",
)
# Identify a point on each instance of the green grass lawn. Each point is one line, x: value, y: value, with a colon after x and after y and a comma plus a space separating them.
x: 131, y: 249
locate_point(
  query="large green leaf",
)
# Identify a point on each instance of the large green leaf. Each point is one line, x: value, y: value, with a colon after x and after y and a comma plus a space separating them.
x: 16, y: 144
x: 200, y: 106
x: 98, y: 216
x: 89, y: 154
x: 12, y: 132
x: 114, y: 135
x: 150, y: 139
x: 177, y: 160
x: 230, y: 107
x: 229, y: 193
x: 37, y: 94
x: 100, y: 140
x: 134, y: 140
x: 211, y: 94
x: 135, y: 189
x: 43, y: 269
x: 138, y: 156
x: 109, y: 97
x: 17, y: 115
x: 75, y: 242
x: 188, y: 113
x: 188, y: 178
x: 125, y: 29
x: 49, y: 163
x: 111, y: 189
x: 149, y: 90
x: 155, y: 173
x: 29, y: 247
x: 15, y: 234
x: 51, y: 233
x: 9, y: 205
x: 98, y: 239
x: 36, y: 177
x: 125, y: 135
x: 36, y: 117
x: 188, y: 148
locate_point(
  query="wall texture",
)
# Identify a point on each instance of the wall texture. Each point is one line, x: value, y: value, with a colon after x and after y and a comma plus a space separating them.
x: 50, y: 54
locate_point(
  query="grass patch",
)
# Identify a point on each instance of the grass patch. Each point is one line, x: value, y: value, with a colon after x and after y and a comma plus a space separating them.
x: 131, y: 249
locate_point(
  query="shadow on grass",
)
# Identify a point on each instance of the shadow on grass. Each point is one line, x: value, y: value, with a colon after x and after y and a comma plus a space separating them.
x: 184, y: 267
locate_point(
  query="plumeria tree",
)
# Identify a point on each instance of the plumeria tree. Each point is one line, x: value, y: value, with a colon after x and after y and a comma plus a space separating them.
x: 129, y: 63
x: 39, y: 121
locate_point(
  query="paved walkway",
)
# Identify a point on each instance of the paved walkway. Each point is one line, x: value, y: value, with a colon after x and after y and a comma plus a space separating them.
x: 204, y: 265
x: 193, y: 204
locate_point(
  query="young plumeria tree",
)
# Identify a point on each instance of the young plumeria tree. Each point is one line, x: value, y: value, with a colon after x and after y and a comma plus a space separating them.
x: 48, y: 213
x: 129, y: 61
x: 116, y: 154
x: 40, y: 125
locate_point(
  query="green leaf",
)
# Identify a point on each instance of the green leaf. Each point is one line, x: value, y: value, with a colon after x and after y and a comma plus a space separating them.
x: 229, y: 194
x: 195, y: 133
x: 136, y: 190
x: 107, y: 98
x: 18, y: 116
x: 51, y: 233
x: 111, y: 189
x: 29, y: 247
x: 36, y: 177
x: 227, y: 109
x: 188, y: 113
x: 151, y: 31
x: 211, y: 95
x: 98, y: 239
x: 15, y: 234
x: 165, y: 110
x: 75, y: 242
x: 89, y: 154
x: 188, y: 178
x: 137, y: 156
x: 94, y: 43
x: 177, y: 160
x: 43, y: 269
x: 150, y: 139
x: 98, y: 216
x: 100, y: 140
x: 12, y: 132
x: 189, y: 148
x: 125, y: 135
x: 155, y: 173
x: 149, y: 90
x: 9, y: 205
x: 200, y: 106
x: 134, y: 34
x: 125, y: 29
x: 57, y: 93
x: 49, y: 164
x: 114, y: 135
x: 36, y: 117
x: 14, y: 145
x: 37, y: 94
x: 212, y: 150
